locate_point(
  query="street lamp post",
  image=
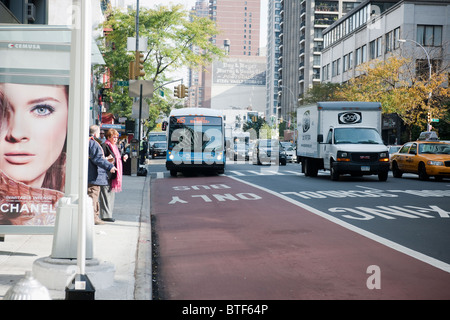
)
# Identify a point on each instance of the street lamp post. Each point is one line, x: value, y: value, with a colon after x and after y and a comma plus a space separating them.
x: 429, y: 78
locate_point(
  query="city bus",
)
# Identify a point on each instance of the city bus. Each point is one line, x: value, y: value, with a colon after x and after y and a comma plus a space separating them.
x: 195, y: 141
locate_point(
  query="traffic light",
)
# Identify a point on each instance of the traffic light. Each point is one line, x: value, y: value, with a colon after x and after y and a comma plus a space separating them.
x: 428, y: 117
x: 131, y: 70
x: 139, y: 64
x: 176, y: 91
x: 184, y: 91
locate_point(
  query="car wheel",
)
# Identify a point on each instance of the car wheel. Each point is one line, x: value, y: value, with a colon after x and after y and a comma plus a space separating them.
x: 396, y: 171
x: 422, y: 172
x: 173, y: 173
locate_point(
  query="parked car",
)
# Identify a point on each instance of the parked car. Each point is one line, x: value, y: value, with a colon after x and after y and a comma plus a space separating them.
x: 268, y: 151
x: 158, y: 149
x: 425, y: 158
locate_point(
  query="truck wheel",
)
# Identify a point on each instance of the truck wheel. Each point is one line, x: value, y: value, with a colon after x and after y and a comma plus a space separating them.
x: 311, y: 168
x: 382, y: 176
x: 333, y: 172
x: 396, y: 171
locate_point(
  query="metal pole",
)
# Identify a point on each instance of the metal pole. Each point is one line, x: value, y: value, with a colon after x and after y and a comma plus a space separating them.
x: 140, y: 115
x: 85, y: 60
x: 140, y: 86
x: 429, y: 75
x: 137, y: 26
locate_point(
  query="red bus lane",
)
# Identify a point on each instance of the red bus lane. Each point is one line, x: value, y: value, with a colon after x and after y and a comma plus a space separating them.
x: 223, y: 239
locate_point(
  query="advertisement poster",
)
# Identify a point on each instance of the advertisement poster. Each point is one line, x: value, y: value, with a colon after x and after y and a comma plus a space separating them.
x: 34, y: 102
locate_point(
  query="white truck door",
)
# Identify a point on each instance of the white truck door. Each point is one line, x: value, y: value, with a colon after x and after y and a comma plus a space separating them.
x: 327, y: 149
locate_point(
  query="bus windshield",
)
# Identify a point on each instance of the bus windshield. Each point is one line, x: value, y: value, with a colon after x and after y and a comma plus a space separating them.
x: 195, y: 134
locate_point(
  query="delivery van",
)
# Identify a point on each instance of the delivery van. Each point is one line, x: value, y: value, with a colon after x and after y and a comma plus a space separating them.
x: 341, y: 137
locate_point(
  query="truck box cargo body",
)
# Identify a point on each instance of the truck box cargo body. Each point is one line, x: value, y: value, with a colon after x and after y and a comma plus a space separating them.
x: 342, y: 137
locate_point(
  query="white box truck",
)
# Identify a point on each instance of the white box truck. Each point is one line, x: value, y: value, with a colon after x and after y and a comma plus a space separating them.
x: 342, y: 137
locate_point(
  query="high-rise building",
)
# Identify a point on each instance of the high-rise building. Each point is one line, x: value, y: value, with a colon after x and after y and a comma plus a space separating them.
x: 238, y: 23
x: 195, y: 76
x: 302, y: 24
x: 273, y: 58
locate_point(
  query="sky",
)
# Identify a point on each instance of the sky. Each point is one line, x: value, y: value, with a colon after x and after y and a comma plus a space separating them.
x: 191, y: 3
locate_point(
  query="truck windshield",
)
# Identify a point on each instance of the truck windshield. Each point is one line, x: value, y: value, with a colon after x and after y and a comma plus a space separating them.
x: 357, y: 135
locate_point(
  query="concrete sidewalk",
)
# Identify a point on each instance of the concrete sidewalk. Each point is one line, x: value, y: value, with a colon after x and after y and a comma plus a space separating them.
x: 125, y: 243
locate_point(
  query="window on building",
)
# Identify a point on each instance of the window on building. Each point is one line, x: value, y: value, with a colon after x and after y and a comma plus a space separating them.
x: 363, y: 53
x: 326, y: 72
x: 335, y: 67
x: 358, y: 57
x: 429, y: 35
x: 372, y: 49
x: 316, y: 60
x: 392, y: 40
x: 378, y: 47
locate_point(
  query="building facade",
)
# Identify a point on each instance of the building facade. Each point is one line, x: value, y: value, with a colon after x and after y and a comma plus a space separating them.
x: 373, y: 30
x: 238, y: 23
x: 302, y: 25
x: 377, y: 30
x: 273, y: 58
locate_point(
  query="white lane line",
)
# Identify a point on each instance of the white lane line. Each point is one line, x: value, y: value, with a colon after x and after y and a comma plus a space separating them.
x: 393, y: 245
x: 159, y: 175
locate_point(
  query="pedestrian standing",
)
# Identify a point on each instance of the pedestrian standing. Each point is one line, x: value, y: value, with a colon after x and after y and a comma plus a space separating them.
x: 107, y: 192
x: 98, y: 170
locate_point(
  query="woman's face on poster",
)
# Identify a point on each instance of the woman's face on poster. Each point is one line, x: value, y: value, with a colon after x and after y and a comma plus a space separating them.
x: 36, y: 131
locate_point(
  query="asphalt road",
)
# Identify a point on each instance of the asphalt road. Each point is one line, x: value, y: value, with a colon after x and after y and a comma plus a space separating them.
x: 271, y: 233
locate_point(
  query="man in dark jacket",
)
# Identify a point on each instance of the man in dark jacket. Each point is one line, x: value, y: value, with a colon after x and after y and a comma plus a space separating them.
x: 97, y: 170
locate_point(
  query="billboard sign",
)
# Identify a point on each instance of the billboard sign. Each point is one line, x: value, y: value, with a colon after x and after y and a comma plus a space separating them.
x: 34, y: 103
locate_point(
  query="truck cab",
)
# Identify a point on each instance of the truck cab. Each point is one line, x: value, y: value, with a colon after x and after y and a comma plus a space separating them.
x: 343, y: 153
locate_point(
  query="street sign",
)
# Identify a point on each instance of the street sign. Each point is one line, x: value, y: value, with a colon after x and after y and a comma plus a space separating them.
x: 135, y: 87
x: 434, y: 120
x: 131, y: 44
x: 125, y: 83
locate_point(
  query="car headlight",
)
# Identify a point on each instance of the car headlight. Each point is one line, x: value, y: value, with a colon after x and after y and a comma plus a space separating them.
x: 343, y: 156
x: 384, y: 157
x: 435, y: 163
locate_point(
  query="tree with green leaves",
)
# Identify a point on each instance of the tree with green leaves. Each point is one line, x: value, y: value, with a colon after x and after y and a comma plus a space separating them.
x: 175, y: 40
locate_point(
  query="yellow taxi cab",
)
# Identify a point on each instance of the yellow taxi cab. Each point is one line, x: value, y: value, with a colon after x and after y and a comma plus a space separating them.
x: 423, y: 157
